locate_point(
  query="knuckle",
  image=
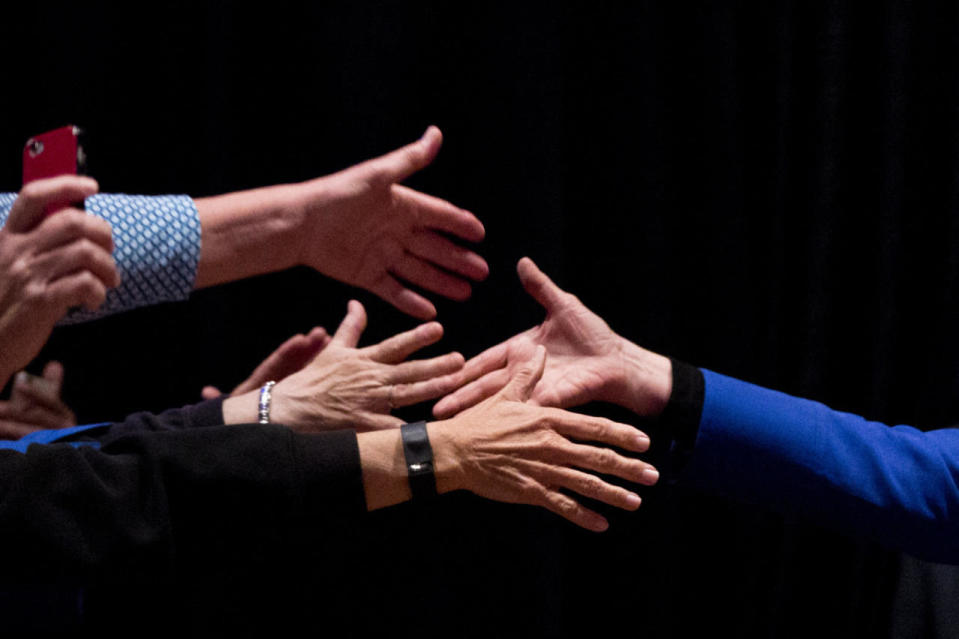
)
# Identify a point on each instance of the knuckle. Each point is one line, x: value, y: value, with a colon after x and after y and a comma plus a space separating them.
x: 564, y: 504
x: 588, y: 485
x: 19, y: 272
x: 605, y: 458
x: 31, y: 191
x: 71, y: 222
x: 34, y: 293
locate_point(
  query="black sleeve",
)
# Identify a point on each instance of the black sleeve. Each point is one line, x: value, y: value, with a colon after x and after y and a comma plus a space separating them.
x: 682, y: 414
x: 148, y: 500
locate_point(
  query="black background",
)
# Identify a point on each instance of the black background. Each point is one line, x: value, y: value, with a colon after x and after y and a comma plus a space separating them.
x: 766, y: 189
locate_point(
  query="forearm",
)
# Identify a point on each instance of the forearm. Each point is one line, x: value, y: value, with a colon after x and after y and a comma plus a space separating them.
x: 144, y: 502
x: 248, y: 233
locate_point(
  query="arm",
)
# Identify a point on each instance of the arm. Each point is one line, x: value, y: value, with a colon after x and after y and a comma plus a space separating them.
x: 359, y: 226
x: 160, y: 487
x: 895, y: 484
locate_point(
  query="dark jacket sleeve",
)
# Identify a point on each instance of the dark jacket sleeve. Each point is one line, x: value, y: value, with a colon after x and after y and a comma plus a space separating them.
x: 160, y: 489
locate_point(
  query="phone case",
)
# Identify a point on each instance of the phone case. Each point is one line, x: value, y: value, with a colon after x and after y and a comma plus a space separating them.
x: 53, y: 153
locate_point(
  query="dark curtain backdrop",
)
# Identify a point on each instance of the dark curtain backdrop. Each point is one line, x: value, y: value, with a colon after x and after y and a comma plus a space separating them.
x: 767, y: 189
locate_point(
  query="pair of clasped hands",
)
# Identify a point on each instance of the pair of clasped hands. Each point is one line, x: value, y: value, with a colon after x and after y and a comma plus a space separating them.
x: 501, y: 428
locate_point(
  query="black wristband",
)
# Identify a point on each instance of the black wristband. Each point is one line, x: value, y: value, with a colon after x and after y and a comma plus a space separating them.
x: 419, y: 460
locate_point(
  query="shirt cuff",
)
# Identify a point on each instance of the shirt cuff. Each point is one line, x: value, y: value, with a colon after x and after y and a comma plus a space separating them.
x: 683, y: 413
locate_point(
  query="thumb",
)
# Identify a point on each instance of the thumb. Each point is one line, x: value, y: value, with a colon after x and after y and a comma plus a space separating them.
x: 38, y: 199
x: 53, y: 372
x: 405, y: 161
x: 520, y: 386
x: 538, y: 284
x: 352, y: 326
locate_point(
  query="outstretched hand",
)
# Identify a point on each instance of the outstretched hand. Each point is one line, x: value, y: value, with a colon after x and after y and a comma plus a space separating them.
x: 583, y: 352
x: 508, y: 449
x: 357, y: 388
x: 587, y: 360
x: 364, y: 228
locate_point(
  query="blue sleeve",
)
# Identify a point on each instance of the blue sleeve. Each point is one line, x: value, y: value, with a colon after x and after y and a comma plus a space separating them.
x: 156, y: 247
x: 896, y: 484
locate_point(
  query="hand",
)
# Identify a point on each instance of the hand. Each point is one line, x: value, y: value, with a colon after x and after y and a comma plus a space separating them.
x: 508, y: 449
x: 357, y: 388
x: 587, y: 360
x: 35, y: 404
x: 49, y: 264
x: 363, y: 228
x: 291, y: 356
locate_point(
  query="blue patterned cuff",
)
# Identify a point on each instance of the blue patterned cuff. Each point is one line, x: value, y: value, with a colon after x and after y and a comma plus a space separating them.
x: 156, y: 246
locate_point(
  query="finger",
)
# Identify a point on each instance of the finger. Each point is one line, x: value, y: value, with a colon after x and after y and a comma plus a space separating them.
x: 409, y: 394
x: 598, y: 429
x: 586, y: 484
x: 397, y: 348
x: 489, y: 360
x: 69, y: 225
x: 54, y: 373
x: 210, y: 392
x: 521, y: 385
x: 352, y: 326
x: 438, y: 214
x: 570, y: 509
x: 41, y: 197
x: 419, y: 370
x: 377, y: 422
x: 472, y: 393
x: 389, y: 289
x: 424, y: 275
x: 398, y: 165
x: 289, y: 357
x: 435, y: 248
x: 538, y: 285
x: 81, y: 255
x: 608, y: 462
x: 79, y: 289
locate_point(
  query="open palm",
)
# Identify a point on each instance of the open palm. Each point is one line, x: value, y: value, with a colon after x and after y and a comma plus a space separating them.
x: 584, y: 353
x: 366, y: 229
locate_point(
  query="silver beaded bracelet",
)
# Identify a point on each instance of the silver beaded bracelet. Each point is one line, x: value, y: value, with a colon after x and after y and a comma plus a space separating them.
x: 266, y: 398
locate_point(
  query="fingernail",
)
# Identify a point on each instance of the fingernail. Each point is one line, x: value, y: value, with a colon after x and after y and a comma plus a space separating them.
x: 21, y: 378
x: 642, y: 440
x: 633, y: 501
x: 600, y: 524
x: 651, y: 475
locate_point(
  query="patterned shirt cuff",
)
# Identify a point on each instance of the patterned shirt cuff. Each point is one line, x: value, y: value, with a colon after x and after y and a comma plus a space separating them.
x: 156, y: 247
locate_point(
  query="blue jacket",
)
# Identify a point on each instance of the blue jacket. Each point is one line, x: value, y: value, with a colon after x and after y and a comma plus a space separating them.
x: 896, y: 484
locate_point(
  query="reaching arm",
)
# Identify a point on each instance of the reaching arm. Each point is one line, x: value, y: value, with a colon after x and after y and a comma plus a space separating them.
x: 359, y: 226
x: 894, y: 484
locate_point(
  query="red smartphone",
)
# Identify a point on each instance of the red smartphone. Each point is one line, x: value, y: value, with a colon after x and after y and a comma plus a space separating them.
x: 53, y: 153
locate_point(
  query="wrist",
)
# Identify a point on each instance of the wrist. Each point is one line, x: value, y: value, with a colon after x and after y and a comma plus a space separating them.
x: 302, y: 215
x: 644, y: 380
x: 446, y: 459
x: 241, y: 409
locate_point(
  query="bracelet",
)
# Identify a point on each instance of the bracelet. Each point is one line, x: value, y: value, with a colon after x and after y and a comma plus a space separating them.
x: 419, y: 460
x: 266, y: 398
